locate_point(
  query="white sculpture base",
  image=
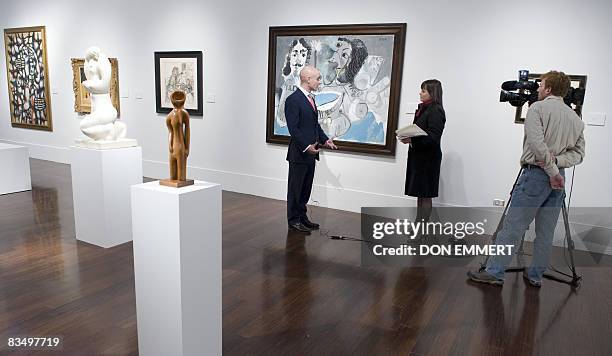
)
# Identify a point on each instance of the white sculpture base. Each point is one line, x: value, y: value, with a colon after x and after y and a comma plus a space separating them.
x: 15, y: 163
x: 101, y: 181
x: 106, y: 145
x: 177, y: 268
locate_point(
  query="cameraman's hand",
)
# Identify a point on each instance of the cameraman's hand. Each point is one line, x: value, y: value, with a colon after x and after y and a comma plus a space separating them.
x: 542, y: 164
x: 557, y: 182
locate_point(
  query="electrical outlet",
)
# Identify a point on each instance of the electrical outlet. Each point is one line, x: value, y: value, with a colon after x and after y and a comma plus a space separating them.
x: 499, y: 202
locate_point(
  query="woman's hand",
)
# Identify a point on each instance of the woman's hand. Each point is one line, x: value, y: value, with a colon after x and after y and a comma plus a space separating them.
x: 406, y: 140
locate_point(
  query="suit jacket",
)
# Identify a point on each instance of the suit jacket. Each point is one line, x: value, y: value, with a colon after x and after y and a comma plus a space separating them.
x: 304, y: 128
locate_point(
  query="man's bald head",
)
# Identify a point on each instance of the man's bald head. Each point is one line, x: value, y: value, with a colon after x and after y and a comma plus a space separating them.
x: 310, y: 78
x: 308, y: 71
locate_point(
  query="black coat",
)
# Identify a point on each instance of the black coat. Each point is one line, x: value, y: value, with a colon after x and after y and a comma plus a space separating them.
x: 304, y: 128
x: 424, y: 154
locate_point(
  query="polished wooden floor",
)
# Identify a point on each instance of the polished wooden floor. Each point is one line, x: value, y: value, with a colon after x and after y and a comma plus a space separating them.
x: 282, y: 294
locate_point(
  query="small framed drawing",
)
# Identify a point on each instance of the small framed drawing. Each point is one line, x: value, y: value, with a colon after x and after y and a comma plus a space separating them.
x: 574, y: 98
x: 179, y: 71
x: 82, y: 99
x: 27, y: 75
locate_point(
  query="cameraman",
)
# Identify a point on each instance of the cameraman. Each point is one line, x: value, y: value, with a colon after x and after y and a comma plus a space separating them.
x: 553, y: 141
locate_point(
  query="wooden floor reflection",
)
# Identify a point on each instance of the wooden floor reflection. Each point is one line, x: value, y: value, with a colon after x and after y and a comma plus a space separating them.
x: 283, y: 294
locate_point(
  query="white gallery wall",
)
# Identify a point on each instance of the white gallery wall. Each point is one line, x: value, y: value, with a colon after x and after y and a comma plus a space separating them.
x: 471, y: 46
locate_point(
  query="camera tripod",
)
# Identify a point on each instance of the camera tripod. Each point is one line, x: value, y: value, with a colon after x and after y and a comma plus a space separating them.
x: 572, y: 279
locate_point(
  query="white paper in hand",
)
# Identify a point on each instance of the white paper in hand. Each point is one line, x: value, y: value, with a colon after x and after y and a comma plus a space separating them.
x: 411, y: 130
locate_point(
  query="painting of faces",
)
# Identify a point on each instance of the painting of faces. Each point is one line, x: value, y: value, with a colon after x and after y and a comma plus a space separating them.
x: 353, y: 100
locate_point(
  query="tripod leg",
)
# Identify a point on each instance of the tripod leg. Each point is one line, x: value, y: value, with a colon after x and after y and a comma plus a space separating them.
x: 483, y: 265
x: 570, y: 244
x: 575, y: 278
x: 520, y: 263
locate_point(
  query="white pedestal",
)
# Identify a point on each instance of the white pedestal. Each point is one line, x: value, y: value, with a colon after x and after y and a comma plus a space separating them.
x: 177, y: 268
x: 101, y: 181
x: 15, y: 163
x: 102, y: 144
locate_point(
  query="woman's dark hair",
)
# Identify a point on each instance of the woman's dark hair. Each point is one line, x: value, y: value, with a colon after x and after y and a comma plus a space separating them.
x: 287, y: 67
x: 434, y: 88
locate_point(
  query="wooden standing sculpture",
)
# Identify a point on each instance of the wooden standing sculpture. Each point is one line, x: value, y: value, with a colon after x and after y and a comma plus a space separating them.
x: 178, y: 127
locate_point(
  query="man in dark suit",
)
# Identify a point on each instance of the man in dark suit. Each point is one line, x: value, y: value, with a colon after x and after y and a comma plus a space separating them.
x: 306, y: 139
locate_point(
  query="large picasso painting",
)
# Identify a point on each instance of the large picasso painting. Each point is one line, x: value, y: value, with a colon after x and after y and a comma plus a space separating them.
x: 361, y: 70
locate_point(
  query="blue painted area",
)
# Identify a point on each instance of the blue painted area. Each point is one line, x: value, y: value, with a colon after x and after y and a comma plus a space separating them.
x: 278, y: 130
x: 324, y: 98
x: 366, y: 130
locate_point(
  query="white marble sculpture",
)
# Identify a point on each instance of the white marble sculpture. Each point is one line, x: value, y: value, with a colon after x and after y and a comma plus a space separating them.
x: 101, y: 125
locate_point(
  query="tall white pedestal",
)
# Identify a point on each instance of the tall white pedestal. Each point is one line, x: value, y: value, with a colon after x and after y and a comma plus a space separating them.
x: 15, y: 165
x: 101, y: 181
x: 177, y: 267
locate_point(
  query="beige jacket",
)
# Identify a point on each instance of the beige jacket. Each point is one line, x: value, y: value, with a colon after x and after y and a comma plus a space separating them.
x: 551, y: 127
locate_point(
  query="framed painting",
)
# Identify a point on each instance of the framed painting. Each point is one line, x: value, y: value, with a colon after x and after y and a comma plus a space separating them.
x: 179, y: 71
x: 575, y: 97
x: 361, y: 71
x: 28, y: 78
x: 82, y: 99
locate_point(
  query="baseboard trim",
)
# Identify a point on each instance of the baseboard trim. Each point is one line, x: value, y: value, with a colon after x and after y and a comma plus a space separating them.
x: 276, y: 188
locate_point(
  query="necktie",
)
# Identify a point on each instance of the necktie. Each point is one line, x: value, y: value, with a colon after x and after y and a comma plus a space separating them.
x: 311, y: 100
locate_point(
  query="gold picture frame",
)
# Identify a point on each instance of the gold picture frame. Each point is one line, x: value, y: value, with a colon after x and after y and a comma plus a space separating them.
x: 27, y: 75
x: 82, y: 101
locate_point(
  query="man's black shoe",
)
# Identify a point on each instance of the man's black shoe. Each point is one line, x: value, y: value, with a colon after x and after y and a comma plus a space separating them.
x: 299, y: 227
x: 309, y: 224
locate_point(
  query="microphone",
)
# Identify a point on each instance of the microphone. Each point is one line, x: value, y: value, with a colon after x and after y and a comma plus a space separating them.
x: 516, y: 85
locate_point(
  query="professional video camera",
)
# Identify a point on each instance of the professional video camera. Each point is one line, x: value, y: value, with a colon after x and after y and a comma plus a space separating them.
x: 527, y: 90
x: 519, y: 92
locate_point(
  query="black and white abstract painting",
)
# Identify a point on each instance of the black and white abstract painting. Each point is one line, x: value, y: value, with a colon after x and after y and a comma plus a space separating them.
x: 179, y: 71
x: 28, y: 78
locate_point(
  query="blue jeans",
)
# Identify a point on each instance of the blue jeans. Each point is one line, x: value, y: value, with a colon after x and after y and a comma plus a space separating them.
x: 532, y: 198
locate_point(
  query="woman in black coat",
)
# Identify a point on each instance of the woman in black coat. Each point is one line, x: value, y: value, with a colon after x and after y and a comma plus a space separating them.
x: 424, y: 154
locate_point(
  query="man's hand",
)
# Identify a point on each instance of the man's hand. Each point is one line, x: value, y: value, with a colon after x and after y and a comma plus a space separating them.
x: 312, y: 150
x: 542, y: 164
x: 406, y: 140
x: 330, y: 144
x: 557, y: 182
